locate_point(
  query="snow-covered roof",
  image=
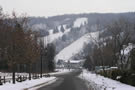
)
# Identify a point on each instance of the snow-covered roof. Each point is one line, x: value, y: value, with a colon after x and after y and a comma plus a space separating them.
x: 127, y: 49
x: 74, y: 61
x: 114, y: 67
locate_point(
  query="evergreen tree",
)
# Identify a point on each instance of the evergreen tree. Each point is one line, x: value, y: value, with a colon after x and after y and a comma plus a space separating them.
x: 64, y: 38
x: 50, y: 57
x: 62, y: 29
x: 55, y: 30
x: 88, y: 64
x: 133, y: 59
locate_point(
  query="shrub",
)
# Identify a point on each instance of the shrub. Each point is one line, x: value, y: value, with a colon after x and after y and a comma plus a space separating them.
x: 126, y: 76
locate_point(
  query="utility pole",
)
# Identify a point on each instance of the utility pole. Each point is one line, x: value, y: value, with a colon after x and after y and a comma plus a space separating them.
x: 41, y: 63
x: 69, y: 66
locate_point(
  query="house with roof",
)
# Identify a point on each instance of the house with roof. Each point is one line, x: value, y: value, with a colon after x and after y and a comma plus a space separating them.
x: 125, y: 53
x: 70, y: 64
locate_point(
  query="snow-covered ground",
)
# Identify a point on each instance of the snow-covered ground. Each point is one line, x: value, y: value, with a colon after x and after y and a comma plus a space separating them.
x: 32, y: 84
x: 80, y: 21
x: 76, y: 47
x: 26, y: 84
x: 97, y: 82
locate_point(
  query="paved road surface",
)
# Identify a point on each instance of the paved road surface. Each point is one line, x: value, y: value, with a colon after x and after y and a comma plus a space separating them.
x: 67, y: 82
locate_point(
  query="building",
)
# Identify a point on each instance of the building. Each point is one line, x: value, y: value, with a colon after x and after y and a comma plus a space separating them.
x: 70, y: 64
x: 125, y: 55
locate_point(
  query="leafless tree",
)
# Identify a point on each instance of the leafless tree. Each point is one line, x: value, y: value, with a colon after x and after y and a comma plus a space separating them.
x: 121, y: 35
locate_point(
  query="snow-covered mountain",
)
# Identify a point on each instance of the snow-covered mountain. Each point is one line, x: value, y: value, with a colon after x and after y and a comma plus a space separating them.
x: 76, y: 30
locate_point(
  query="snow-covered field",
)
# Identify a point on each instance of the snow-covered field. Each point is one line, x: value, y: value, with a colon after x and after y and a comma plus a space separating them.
x: 32, y: 84
x: 76, y: 47
x: 97, y: 82
x: 26, y: 84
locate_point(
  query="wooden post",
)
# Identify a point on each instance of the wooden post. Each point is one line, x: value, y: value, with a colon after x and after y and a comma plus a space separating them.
x: 4, y: 79
x: 20, y: 78
x: 0, y: 81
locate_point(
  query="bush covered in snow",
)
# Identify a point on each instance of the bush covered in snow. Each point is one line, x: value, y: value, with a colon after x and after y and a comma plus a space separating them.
x: 124, y: 76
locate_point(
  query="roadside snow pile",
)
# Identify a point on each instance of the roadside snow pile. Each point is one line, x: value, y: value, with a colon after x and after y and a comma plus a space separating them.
x: 76, y: 47
x: 97, y: 82
x: 80, y: 21
x: 26, y: 84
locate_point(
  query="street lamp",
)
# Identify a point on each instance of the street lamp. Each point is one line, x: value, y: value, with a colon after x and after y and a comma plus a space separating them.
x: 43, y: 53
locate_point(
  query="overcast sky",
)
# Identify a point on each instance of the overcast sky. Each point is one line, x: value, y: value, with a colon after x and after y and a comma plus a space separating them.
x: 58, y: 7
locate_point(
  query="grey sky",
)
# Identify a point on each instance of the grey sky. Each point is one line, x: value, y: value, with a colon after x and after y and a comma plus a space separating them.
x: 56, y: 7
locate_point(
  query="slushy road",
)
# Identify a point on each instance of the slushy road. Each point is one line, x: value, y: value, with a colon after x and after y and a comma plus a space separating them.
x: 68, y: 81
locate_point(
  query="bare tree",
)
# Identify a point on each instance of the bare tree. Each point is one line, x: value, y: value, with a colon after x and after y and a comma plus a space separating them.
x: 32, y: 52
x: 121, y: 35
x: 102, y: 51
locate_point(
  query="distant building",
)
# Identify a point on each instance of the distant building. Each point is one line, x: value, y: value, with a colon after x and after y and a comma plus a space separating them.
x: 125, y: 52
x: 60, y: 64
x: 70, y: 64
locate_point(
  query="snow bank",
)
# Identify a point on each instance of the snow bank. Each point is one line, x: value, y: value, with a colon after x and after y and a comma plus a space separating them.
x: 32, y: 83
x: 25, y: 84
x: 80, y: 21
x: 76, y: 47
x: 100, y: 83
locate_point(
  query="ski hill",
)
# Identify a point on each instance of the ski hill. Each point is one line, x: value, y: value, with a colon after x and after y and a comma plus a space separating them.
x: 68, y: 52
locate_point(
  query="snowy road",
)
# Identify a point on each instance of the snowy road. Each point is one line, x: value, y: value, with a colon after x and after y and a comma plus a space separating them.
x: 67, y: 82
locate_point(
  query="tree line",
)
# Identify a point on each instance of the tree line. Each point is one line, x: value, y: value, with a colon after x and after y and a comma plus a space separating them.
x: 21, y: 49
x: 113, y: 52
x: 107, y: 48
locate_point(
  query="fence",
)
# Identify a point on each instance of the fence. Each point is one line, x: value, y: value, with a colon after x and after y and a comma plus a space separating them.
x: 19, y: 77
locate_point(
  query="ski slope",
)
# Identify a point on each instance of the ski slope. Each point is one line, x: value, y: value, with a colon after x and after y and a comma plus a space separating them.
x: 52, y: 37
x: 77, y: 23
x: 76, y: 47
